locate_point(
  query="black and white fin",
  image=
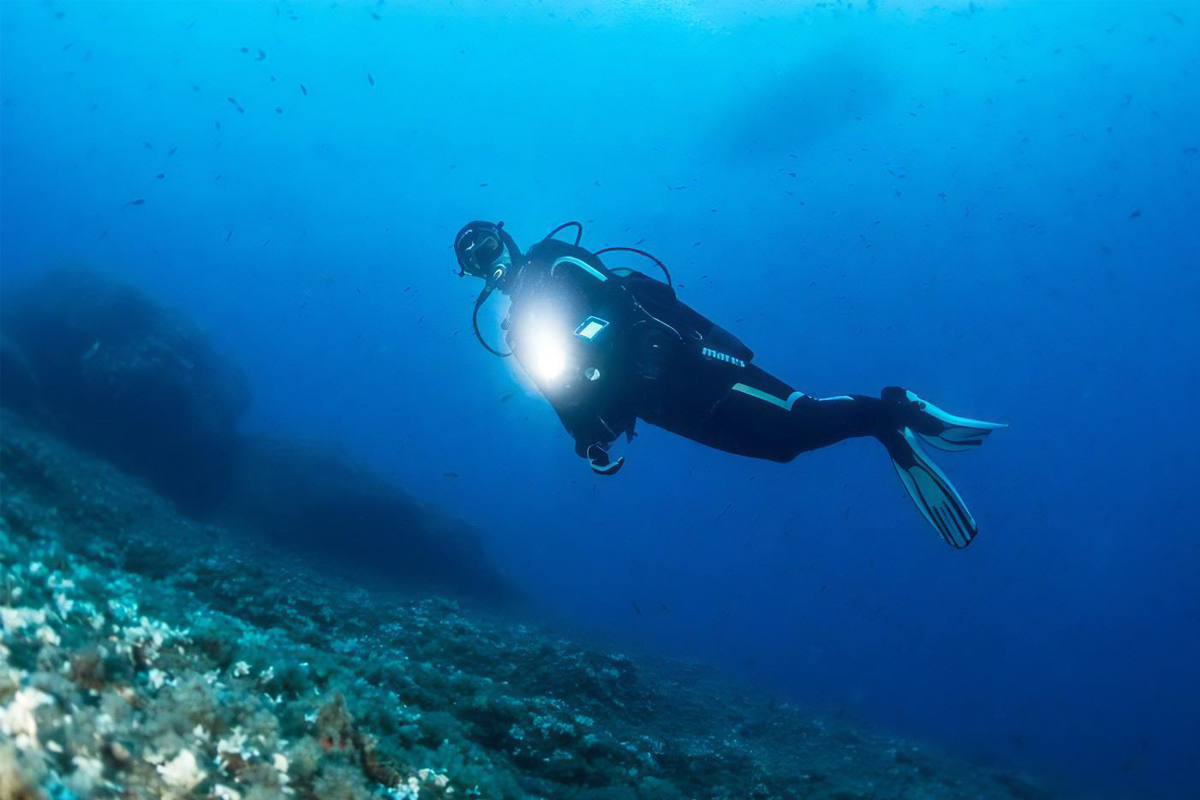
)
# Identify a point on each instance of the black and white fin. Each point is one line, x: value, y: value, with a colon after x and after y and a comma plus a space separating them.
x: 959, y: 433
x: 932, y: 491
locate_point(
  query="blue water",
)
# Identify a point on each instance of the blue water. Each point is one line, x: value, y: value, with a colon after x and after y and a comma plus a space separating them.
x: 994, y: 204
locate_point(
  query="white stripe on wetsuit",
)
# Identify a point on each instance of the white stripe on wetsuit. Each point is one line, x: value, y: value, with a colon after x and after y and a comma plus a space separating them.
x: 787, y: 404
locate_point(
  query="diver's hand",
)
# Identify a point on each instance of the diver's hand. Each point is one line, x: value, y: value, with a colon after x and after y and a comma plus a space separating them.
x: 599, y: 461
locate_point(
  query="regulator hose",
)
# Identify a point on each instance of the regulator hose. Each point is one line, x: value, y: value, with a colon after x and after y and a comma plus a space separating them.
x: 578, y: 235
x: 661, y: 265
x: 479, y: 301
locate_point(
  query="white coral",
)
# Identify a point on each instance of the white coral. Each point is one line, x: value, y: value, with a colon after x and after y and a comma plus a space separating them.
x: 17, y: 720
x: 47, y: 635
x: 234, y: 744
x: 64, y: 603
x: 17, y: 619
x: 182, y: 772
x: 88, y: 767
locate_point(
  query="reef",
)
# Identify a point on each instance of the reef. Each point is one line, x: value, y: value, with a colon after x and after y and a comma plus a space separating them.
x: 146, y: 654
x: 115, y: 373
x: 310, y: 497
x: 126, y: 378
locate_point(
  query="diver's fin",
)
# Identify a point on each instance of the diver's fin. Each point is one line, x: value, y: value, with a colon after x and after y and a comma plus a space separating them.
x: 931, y: 490
x: 956, y: 433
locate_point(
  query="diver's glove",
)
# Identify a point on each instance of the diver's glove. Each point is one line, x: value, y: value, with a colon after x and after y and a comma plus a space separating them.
x: 598, y: 460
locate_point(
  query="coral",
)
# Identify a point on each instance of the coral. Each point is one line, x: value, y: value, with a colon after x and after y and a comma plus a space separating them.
x: 314, y: 498
x: 240, y: 675
x: 129, y: 378
x: 121, y: 376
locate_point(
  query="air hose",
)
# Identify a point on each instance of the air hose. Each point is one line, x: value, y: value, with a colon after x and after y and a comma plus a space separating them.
x: 479, y: 301
x: 578, y: 235
x: 661, y: 265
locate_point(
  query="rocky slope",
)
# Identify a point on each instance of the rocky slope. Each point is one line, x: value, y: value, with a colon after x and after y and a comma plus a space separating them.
x: 146, y: 655
x: 119, y: 375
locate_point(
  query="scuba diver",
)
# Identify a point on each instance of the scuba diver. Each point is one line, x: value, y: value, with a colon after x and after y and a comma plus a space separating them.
x: 608, y: 346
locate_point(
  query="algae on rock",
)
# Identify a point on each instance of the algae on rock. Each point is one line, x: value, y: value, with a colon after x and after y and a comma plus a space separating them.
x: 147, y: 655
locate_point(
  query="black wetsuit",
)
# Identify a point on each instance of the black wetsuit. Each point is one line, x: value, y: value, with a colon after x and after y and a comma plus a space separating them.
x: 625, y: 347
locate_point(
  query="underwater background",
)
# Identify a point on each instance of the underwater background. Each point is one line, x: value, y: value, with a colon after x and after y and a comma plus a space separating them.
x: 994, y: 204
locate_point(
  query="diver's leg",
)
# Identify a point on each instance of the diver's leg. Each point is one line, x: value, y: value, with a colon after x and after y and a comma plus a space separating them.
x: 763, y: 417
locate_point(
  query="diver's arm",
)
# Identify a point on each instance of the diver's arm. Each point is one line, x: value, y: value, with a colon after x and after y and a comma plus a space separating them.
x: 592, y: 438
x: 598, y: 460
x: 595, y: 308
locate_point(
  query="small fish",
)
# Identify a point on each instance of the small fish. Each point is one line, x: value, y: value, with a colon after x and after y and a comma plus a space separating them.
x: 160, y: 176
x: 1137, y: 212
x: 147, y: 145
x: 676, y: 188
x: 262, y: 56
x: 370, y: 79
x: 483, y: 185
x: 245, y: 49
x: 506, y: 397
x: 195, y: 88
x: 228, y: 235
x: 376, y: 16
x: 449, y: 474
x: 636, y: 607
x: 695, y: 244
x: 141, y: 201
x: 172, y: 151
x: 303, y: 91
x: 278, y: 109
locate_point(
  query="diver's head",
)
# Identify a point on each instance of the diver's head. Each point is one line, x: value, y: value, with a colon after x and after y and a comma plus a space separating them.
x: 485, y: 250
